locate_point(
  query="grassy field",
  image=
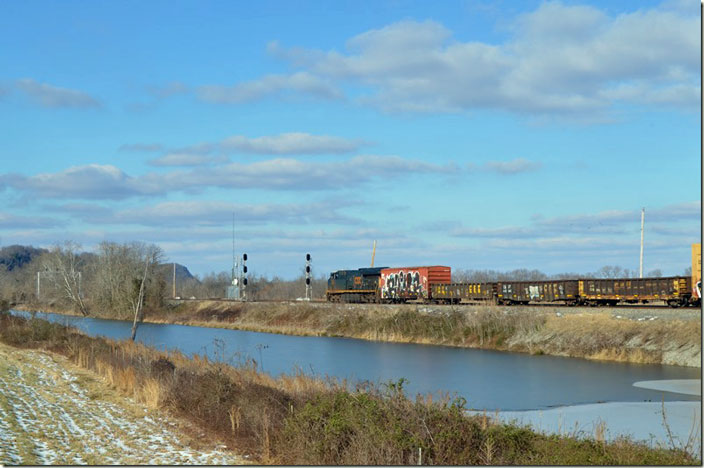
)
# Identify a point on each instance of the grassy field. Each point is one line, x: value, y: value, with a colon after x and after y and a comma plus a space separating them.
x: 288, y: 420
x: 659, y: 336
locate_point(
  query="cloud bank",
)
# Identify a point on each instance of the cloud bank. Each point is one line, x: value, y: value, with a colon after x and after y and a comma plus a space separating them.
x: 559, y: 59
x: 50, y: 96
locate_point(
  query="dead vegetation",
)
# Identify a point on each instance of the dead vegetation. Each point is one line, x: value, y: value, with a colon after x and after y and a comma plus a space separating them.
x: 540, y: 330
x: 52, y: 412
x: 300, y: 420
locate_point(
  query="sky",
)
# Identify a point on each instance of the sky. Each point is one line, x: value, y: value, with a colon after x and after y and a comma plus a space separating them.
x: 474, y: 134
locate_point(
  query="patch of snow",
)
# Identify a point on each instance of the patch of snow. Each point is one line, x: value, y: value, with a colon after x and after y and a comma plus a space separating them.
x: 643, y: 421
x: 684, y: 386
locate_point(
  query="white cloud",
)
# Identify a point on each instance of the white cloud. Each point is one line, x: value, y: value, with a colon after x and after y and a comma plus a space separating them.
x: 217, y: 213
x: 11, y: 221
x: 292, y: 174
x: 559, y: 59
x: 186, y: 159
x: 514, y: 166
x: 605, y: 224
x: 90, y: 181
x: 290, y: 143
x: 270, y: 85
x: 281, y: 144
x: 54, y: 97
x: 96, y: 181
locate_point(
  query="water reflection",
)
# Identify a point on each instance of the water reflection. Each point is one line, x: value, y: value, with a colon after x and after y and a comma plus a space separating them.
x: 487, y: 379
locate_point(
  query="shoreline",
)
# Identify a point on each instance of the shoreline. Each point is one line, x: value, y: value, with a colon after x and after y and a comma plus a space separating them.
x: 622, y: 335
x: 284, y: 420
x: 669, y: 424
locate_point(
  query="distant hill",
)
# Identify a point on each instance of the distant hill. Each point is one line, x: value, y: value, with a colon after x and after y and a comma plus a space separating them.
x: 17, y: 256
x: 166, y: 270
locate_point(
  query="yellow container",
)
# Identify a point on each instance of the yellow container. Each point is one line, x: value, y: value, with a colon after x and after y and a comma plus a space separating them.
x: 696, y: 263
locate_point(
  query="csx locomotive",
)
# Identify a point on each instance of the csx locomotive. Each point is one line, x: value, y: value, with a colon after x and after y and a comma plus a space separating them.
x: 434, y: 284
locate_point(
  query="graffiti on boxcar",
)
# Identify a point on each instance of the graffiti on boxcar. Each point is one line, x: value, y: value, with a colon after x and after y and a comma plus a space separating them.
x: 402, y: 284
x: 534, y: 292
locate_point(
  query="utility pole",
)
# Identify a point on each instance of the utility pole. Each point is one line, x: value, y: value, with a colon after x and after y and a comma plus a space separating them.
x: 173, y: 282
x: 642, y: 225
x: 373, y: 253
x: 234, y: 261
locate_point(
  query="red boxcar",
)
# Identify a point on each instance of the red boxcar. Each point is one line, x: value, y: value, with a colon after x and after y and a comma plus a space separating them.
x: 409, y: 283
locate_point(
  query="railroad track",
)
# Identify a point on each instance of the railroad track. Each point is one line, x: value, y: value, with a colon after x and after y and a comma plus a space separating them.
x: 466, y: 304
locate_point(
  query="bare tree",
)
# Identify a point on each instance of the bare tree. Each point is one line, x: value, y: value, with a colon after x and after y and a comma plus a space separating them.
x: 112, y: 286
x: 64, y: 264
x: 126, y: 278
x: 151, y: 255
x: 609, y: 271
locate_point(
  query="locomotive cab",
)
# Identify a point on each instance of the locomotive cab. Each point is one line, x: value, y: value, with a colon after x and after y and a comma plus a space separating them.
x: 359, y: 285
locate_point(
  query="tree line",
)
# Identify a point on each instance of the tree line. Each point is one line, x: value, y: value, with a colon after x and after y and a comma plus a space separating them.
x: 125, y: 280
x: 607, y: 271
x: 122, y: 280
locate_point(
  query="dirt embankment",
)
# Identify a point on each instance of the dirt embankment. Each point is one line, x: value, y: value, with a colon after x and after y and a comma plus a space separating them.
x: 648, y: 335
x: 52, y: 412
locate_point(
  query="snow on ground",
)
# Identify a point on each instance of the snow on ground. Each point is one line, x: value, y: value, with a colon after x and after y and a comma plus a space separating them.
x: 685, y: 386
x: 54, y: 413
x: 643, y: 421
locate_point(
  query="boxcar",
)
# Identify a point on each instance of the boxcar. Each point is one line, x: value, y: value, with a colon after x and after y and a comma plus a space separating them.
x: 411, y: 283
x: 453, y: 293
x: 523, y: 292
x: 674, y: 291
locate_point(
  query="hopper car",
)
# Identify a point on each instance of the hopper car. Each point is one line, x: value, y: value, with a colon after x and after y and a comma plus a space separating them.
x: 433, y: 284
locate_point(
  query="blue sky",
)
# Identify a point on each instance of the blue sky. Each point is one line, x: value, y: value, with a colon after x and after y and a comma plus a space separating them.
x: 479, y: 135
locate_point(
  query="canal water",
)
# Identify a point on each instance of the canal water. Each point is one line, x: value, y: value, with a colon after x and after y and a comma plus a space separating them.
x: 488, y: 380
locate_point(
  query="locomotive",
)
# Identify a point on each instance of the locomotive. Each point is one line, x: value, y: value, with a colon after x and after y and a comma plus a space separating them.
x: 433, y: 284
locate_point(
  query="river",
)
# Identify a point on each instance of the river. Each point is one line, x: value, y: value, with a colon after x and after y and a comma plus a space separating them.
x: 488, y: 380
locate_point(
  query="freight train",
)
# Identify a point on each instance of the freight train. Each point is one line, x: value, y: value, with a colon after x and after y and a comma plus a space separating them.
x: 433, y: 284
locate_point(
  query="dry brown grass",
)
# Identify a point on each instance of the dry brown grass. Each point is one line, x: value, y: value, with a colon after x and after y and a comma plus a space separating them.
x: 601, y: 336
x: 299, y: 420
x: 536, y: 330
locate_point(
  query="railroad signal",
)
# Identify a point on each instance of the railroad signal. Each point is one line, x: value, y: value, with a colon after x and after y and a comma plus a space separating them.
x: 244, y: 279
x: 309, y: 288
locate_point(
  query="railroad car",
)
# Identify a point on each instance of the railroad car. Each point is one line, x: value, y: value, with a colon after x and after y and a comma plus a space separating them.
x: 411, y: 283
x: 697, y: 274
x: 524, y: 292
x: 361, y: 285
x: 453, y: 293
x: 434, y: 284
x: 675, y: 291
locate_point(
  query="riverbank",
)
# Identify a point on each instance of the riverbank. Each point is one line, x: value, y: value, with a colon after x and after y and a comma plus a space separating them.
x: 638, y: 335
x: 299, y: 420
